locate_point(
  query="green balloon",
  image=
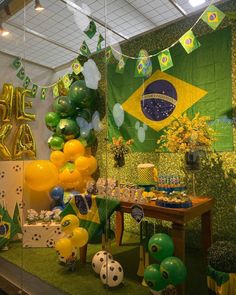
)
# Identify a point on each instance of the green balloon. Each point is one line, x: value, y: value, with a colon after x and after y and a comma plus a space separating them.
x: 52, y: 119
x: 63, y: 106
x: 85, y: 114
x: 160, y: 246
x: 81, y: 96
x: 153, y: 278
x: 56, y: 143
x: 68, y: 128
x: 173, y: 270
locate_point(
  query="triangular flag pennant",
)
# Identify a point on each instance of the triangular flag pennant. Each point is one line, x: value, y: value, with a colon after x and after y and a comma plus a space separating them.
x: 213, y: 16
x: 26, y: 82
x: 121, y: 65
x: 66, y: 81
x: 16, y: 63
x: 21, y: 73
x: 34, y: 90
x: 108, y: 54
x: 43, y: 93
x: 91, y: 30
x: 55, y: 91
x: 165, y: 60
x: 143, y: 66
x: 84, y: 49
x: 76, y: 67
x: 189, y: 42
x: 100, y: 40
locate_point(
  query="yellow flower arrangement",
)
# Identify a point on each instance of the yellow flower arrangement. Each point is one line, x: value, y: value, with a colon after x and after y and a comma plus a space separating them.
x: 186, y: 135
x: 120, y: 147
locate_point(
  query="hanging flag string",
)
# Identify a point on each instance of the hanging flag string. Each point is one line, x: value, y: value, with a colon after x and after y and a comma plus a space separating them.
x: 173, y: 44
x: 211, y: 15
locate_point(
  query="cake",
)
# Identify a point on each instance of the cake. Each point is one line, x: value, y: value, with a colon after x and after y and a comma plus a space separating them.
x: 147, y: 174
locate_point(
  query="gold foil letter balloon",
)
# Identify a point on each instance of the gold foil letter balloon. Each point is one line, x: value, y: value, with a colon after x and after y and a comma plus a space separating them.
x: 6, y: 99
x: 24, y: 143
x: 20, y: 95
x: 4, y: 152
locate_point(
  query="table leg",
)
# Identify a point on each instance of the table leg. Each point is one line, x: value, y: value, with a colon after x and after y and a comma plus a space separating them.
x: 83, y: 253
x: 206, y: 232
x: 178, y: 236
x: 119, y: 227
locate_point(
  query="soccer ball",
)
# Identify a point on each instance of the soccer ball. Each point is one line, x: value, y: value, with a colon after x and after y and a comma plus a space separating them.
x: 98, y: 259
x: 112, y: 273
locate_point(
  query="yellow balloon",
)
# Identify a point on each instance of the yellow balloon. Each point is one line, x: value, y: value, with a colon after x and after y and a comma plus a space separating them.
x: 79, y: 237
x: 4, y: 151
x: 41, y: 175
x: 70, y: 175
x: 58, y: 158
x: 69, y: 222
x: 92, y: 162
x: 6, y: 98
x: 20, y: 95
x: 24, y: 144
x: 81, y: 163
x: 73, y: 149
x: 64, y: 247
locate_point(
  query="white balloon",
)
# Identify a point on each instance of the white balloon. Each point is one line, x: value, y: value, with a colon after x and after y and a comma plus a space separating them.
x: 80, y: 18
x: 91, y: 74
x: 118, y: 114
x: 97, y: 125
x: 99, y: 259
x: 112, y: 273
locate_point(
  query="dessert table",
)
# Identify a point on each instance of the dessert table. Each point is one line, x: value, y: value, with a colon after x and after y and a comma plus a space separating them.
x: 202, y: 207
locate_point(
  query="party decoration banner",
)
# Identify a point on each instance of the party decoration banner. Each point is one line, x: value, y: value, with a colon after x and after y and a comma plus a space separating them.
x: 213, y: 16
x: 76, y: 67
x: 189, y: 42
x: 91, y: 30
x: 100, y: 40
x: 198, y: 82
x: 121, y: 65
x: 84, y: 49
x: 165, y: 60
x: 16, y: 63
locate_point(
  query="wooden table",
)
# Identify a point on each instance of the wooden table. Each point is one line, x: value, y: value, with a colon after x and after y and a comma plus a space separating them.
x: 179, y: 217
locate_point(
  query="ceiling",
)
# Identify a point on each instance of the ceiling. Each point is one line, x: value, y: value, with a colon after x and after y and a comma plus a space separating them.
x: 53, y: 37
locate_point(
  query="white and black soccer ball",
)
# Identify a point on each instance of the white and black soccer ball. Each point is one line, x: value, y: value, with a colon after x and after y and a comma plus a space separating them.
x: 112, y: 273
x: 98, y: 259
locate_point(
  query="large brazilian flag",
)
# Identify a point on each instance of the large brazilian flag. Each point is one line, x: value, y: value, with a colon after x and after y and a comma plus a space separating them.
x: 198, y: 82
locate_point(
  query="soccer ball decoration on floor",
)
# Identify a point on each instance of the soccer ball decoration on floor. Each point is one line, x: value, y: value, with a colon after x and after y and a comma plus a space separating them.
x: 111, y: 273
x: 170, y: 271
x: 99, y: 259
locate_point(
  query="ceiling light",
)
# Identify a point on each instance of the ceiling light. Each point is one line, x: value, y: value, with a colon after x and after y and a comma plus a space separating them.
x: 3, y: 32
x: 195, y: 3
x: 38, y: 6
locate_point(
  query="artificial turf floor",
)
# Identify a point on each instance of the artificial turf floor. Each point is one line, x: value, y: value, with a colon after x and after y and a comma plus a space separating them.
x: 42, y: 262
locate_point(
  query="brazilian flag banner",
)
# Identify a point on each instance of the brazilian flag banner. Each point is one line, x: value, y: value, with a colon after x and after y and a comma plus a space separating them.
x: 142, y: 108
x: 92, y: 211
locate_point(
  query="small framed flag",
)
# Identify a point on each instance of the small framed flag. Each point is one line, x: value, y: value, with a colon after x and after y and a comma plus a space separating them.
x: 43, y: 93
x: 34, y: 90
x: 84, y: 49
x: 91, y: 30
x: 26, y: 82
